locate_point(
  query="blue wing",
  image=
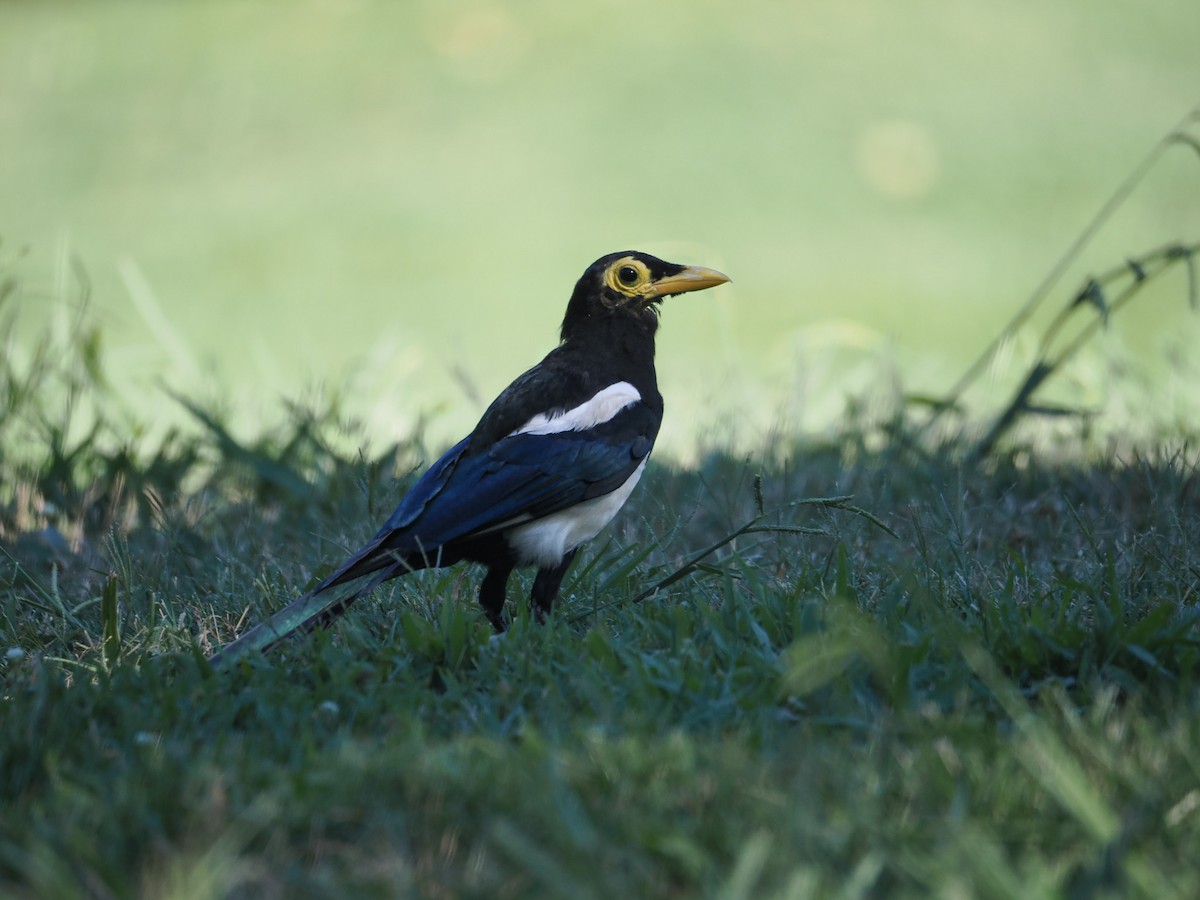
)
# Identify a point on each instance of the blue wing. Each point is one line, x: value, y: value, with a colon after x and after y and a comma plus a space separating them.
x: 467, y: 495
x: 521, y: 477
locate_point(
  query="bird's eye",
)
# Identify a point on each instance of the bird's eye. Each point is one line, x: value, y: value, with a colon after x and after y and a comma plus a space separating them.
x: 627, y: 275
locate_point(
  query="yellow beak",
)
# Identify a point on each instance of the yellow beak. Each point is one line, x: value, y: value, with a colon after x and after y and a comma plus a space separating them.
x: 693, y: 278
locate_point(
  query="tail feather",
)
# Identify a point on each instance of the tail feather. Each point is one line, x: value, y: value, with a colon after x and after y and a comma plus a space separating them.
x: 313, y: 610
x: 322, y: 604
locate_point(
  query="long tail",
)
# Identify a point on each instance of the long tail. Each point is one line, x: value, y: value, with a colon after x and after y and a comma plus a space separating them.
x: 325, y: 602
x: 311, y: 611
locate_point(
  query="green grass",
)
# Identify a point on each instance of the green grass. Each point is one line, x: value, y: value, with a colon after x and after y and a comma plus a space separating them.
x: 993, y: 696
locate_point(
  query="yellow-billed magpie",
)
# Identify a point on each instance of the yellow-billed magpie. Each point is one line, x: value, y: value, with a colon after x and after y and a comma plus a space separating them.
x: 549, y: 464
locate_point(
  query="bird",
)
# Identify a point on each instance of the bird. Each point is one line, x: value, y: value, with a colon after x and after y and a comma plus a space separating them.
x: 548, y: 466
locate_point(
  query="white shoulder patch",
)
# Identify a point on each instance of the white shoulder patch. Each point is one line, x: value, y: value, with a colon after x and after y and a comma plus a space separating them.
x: 595, y: 411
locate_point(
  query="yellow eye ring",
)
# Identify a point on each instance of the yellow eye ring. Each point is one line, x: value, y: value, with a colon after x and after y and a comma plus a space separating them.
x: 628, y: 276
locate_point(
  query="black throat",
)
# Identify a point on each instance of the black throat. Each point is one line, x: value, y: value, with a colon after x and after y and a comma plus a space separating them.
x: 620, y: 340
x: 599, y: 326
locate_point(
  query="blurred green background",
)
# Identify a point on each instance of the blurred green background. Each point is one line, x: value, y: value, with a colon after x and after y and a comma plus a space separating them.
x: 395, y: 199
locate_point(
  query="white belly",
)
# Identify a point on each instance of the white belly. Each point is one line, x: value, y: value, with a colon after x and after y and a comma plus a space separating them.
x: 544, y: 542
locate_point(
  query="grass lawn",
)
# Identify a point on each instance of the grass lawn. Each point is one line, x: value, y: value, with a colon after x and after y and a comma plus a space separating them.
x: 986, y: 690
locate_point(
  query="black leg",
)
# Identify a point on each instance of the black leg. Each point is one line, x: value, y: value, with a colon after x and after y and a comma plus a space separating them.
x: 491, y: 593
x: 546, y: 585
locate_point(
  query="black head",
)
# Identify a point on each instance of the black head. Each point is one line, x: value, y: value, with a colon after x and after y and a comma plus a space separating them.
x: 627, y: 285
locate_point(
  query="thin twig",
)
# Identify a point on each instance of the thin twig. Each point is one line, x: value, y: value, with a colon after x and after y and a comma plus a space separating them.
x: 753, y: 526
x: 1177, y: 135
x: 1140, y: 272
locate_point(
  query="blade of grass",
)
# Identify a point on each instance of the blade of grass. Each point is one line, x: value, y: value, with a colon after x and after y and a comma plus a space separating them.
x: 110, y: 624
